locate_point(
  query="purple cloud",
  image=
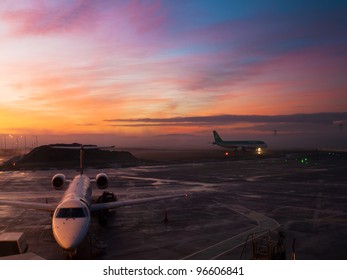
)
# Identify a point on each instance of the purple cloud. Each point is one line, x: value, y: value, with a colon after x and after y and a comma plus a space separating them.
x: 327, y: 118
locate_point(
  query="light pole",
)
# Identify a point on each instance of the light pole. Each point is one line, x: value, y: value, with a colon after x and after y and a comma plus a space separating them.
x: 36, y: 141
x: 25, y: 142
x: 10, y: 135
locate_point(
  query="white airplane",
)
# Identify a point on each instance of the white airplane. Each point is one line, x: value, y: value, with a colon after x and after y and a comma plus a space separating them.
x: 254, y: 145
x: 72, y: 215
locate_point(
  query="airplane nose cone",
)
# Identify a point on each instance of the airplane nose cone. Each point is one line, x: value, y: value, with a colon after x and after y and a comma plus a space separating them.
x: 69, y: 233
x: 70, y: 223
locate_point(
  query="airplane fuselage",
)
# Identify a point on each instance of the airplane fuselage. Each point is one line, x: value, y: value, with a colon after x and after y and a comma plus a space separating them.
x: 253, y: 144
x: 71, y: 218
x: 243, y: 144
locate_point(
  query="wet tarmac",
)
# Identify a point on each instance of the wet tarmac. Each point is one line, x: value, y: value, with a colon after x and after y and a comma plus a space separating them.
x: 302, y: 194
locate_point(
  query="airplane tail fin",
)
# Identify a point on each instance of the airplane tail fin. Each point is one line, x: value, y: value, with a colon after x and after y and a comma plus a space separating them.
x: 216, y: 136
x: 82, y: 148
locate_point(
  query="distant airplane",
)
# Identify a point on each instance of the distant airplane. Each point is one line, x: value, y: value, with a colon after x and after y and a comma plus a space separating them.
x: 72, y: 215
x: 244, y: 145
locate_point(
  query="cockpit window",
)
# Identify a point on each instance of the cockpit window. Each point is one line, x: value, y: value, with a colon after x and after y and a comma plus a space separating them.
x: 71, y: 213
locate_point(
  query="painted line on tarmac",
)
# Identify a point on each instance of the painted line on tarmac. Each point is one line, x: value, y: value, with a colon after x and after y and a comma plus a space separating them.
x: 264, y: 225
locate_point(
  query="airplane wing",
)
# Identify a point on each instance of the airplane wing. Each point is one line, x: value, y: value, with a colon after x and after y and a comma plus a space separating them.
x: 116, y: 204
x: 29, y: 205
x: 94, y: 207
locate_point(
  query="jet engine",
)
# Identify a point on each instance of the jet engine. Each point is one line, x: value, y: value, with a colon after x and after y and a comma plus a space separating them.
x: 102, y: 181
x: 58, y: 181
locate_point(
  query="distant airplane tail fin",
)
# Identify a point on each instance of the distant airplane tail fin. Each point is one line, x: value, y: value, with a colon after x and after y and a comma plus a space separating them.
x: 216, y: 136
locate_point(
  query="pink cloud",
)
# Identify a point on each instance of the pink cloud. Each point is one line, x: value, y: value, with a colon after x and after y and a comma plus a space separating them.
x: 116, y: 23
x: 146, y: 16
x: 41, y: 18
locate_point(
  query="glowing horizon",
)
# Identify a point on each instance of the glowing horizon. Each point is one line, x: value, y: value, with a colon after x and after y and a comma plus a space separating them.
x: 66, y: 67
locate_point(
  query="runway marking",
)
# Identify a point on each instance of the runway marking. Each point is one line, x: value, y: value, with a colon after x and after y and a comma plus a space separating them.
x: 4, y: 230
x: 159, y: 181
x: 166, y: 180
x: 264, y: 225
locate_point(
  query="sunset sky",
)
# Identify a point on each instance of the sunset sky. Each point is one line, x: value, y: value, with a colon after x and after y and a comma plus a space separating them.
x: 173, y: 70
